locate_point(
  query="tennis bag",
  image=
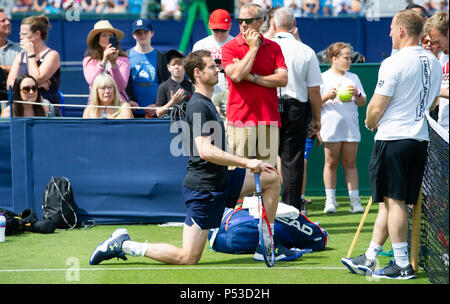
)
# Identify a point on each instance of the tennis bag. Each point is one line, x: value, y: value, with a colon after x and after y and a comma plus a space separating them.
x: 238, y: 233
x: 58, y: 204
x: 27, y: 221
x: 13, y: 222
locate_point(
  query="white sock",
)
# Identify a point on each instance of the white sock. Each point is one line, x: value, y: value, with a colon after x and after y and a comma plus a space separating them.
x: 401, y: 255
x: 353, y: 194
x: 331, y: 194
x: 373, y: 251
x: 134, y: 248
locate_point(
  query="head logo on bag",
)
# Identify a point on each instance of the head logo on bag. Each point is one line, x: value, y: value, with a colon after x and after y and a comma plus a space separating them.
x: 58, y: 204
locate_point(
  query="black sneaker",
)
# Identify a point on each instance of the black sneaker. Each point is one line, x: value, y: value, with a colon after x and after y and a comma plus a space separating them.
x: 281, y: 253
x: 393, y: 271
x: 360, y: 265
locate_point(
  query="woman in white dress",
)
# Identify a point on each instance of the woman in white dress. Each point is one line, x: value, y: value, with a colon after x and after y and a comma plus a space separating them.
x: 340, y: 125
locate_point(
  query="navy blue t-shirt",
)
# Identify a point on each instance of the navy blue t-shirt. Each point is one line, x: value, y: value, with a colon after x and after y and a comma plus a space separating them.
x: 204, y: 120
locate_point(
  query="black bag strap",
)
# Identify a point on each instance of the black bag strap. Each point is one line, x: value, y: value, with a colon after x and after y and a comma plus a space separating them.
x: 63, y: 199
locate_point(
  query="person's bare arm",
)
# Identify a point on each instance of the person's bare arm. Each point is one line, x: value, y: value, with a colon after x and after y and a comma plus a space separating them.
x: 375, y: 110
x: 278, y: 79
x: 211, y: 153
x: 315, y: 100
x: 239, y: 70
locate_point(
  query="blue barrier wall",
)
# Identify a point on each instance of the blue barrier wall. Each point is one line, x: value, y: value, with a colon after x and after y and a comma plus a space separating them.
x: 371, y: 38
x: 121, y: 171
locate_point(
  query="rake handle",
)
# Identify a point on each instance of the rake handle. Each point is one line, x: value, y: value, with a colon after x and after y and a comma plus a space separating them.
x: 361, y: 224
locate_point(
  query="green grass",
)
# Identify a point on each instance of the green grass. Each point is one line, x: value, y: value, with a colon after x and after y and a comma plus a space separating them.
x: 30, y: 258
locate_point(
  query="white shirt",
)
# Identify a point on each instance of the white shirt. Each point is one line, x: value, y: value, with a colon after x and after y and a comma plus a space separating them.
x: 337, y: 6
x: 303, y: 67
x: 339, y: 120
x: 211, y: 44
x: 443, y: 102
x: 170, y: 5
x: 412, y: 77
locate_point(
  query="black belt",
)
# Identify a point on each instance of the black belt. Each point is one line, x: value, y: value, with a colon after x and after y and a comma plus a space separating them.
x: 287, y: 98
x: 284, y: 100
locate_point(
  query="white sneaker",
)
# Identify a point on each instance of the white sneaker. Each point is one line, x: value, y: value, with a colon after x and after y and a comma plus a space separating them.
x: 329, y: 207
x: 356, y: 207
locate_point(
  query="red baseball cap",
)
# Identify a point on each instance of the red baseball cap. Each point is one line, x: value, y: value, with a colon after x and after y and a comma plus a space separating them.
x: 219, y: 20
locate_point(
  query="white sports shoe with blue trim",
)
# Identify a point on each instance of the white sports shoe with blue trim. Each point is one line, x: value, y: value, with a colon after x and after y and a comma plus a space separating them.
x: 110, y: 248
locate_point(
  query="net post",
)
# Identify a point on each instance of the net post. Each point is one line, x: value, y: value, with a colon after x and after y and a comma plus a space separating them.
x: 415, y: 233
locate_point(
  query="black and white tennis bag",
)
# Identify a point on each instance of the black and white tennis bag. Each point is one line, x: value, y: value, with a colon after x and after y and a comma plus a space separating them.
x: 58, y: 204
x: 238, y: 232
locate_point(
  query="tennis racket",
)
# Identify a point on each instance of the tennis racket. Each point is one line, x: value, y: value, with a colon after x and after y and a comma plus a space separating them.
x: 265, y: 233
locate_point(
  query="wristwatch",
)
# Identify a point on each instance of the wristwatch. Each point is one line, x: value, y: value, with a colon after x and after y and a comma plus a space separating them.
x: 32, y: 56
x: 255, y: 77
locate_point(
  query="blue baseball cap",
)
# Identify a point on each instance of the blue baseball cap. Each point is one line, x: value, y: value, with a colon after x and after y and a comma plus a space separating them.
x: 142, y: 24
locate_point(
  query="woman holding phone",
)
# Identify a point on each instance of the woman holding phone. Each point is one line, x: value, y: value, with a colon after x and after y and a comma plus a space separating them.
x: 105, y: 55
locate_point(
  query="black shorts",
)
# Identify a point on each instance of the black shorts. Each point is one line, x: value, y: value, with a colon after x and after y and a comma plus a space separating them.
x: 396, y: 169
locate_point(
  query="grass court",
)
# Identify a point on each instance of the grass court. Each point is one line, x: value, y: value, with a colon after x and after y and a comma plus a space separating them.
x: 63, y: 257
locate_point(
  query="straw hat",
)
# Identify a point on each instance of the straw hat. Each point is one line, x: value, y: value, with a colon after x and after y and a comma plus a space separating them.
x: 103, y: 26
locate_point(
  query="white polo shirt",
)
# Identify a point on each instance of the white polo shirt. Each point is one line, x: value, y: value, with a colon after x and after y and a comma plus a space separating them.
x: 303, y: 67
x: 412, y: 77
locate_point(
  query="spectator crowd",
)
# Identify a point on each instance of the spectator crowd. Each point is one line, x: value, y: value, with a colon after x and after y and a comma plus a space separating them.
x: 166, y: 9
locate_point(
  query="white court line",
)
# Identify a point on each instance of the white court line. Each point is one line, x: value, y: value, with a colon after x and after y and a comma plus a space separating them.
x: 170, y: 268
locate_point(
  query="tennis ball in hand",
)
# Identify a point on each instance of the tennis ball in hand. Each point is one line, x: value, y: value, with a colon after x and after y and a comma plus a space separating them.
x: 344, y: 93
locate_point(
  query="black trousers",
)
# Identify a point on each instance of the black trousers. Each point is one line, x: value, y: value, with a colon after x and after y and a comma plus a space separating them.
x: 294, y: 118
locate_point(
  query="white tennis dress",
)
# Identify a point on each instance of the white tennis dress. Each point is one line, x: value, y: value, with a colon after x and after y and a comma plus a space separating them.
x: 340, y: 119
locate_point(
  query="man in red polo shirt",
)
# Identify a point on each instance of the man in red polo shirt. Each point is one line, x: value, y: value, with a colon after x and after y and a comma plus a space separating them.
x: 254, y: 67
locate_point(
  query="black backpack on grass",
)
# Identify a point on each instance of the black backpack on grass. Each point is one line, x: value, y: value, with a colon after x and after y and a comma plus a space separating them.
x: 58, y: 204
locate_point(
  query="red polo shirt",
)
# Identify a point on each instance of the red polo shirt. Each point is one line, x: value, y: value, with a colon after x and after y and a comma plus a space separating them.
x: 249, y: 103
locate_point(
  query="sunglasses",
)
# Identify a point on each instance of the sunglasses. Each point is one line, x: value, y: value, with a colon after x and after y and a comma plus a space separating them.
x: 247, y: 20
x: 28, y: 89
x: 426, y: 41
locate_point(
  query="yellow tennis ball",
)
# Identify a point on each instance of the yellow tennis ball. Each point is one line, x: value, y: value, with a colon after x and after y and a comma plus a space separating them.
x: 344, y: 94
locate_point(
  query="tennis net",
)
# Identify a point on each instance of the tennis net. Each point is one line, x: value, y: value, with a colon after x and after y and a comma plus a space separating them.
x: 434, y: 223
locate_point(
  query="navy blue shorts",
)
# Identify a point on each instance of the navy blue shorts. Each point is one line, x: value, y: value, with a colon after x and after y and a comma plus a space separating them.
x: 205, y: 208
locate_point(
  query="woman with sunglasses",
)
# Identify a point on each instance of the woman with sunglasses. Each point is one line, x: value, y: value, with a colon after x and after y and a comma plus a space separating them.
x: 430, y: 46
x: 26, y: 89
x: 104, y: 93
